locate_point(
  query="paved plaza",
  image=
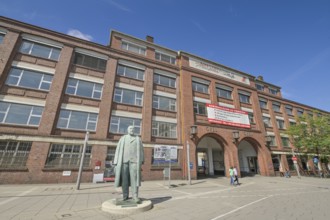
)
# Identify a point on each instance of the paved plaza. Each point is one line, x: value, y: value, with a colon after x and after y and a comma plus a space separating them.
x: 210, y: 199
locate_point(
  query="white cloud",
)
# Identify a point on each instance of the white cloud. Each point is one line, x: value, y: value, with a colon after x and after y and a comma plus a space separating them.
x: 78, y: 34
x: 199, y: 26
x: 118, y: 6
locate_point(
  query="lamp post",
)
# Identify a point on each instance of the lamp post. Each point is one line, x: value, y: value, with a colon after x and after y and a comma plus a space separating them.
x: 193, y: 134
x: 235, y: 136
x: 268, y: 141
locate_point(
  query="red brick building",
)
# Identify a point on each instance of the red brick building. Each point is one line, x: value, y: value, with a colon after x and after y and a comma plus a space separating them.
x: 54, y: 88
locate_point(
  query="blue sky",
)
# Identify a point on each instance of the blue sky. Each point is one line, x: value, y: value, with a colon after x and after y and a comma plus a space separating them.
x: 285, y: 41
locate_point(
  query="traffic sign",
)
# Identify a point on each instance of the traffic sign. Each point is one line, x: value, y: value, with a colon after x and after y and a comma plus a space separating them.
x: 294, y: 158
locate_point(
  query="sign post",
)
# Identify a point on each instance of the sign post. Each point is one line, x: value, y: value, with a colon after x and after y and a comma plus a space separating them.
x: 168, y: 158
x: 82, y: 160
x: 188, y: 162
x: 294, y: 159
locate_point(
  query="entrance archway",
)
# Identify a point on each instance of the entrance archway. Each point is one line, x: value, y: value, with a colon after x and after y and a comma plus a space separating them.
x: 210, y: 157
x: 248, y: 159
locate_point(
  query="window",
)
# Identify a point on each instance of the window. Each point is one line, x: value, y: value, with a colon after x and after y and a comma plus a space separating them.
x: 130, y: 72
x: 77, y: 120
x: 110, y: 156
x: 273, y: 141
x: 288, y: 110
x: 164, y: 103
x: 29, y: 79
x: 280, y: 124
x: 224, y: 91
x: 276, y: 162
x: 273, y: 91
x: 14, y: 154
x: 263, y: 103
x: 244, y: 98
x: 267, y: 121
x: 292, y: 123
x: 260, y: 87
x: 165, y: 58
x: 300, y: 112
x: 163, y: 129
x: 20, y: 114
x: 130, y: 97
x: 90, y: 61
x: 40, y: 50
x: 290, y: 162
x: 276, y: 107
x: 310, y: 114
x: 133, y: 48
x: 199, y: 108
x: 164, y: 80
x: 67, y: 156
x: 251, y: 117
x: 285, y: 142
x: 119, y: 125
x: 2, y: 36
x: 199, y: 87
x: 84, y: 88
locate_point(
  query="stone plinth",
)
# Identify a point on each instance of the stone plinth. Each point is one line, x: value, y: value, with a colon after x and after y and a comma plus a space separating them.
x: 126, y: 209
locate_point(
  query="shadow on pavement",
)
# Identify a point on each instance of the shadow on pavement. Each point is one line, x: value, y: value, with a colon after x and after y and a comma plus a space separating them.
x: 160, y: 199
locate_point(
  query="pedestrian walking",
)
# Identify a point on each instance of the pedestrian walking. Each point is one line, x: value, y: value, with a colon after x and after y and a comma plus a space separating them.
x: 236, y: 176
x: 231, y: 174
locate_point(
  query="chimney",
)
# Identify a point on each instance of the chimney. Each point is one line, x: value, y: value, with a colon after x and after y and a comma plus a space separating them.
x: 261, y: 78
x: 150, y: 39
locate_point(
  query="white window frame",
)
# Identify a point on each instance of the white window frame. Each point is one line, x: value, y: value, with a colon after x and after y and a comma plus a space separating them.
x: 139, y: 72
x: 171, y: 80
x: 46, y: 45
x: 226, y: 89
x: 30, y: 114
x: 14, y: 154
x: 89, y: 120
x: 198, y: 106
x: 156, y: 129
x: 157, y: 99
x: 66, y: 156
x: 172, y: 59
x: 267, y: 121
x: 277, y: 104
x: 119, y: 92
x: 76, y: 86
x: 134, y: 120
x: 260, y: 87
x: 141, y: 49
x: 280, y: 123
x: 26, y: 71
x: 273, y: 91
x: 289, y: 108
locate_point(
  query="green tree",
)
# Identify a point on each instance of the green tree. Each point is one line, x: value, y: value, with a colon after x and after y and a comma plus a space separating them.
x: 311, y: 135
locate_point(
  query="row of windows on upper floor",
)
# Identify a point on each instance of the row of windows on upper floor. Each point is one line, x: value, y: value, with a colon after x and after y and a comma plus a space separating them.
x: 224, y: 91
x: 50, y: 52
x: 30, y: 115
x: 271, y: 90
x: 38, y: 80
x: 39, y: 49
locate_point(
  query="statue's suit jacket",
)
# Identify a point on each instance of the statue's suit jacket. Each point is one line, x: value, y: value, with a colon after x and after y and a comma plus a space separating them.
x: 118, y: 160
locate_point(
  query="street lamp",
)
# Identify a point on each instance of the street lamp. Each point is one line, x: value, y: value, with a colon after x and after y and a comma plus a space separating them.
x: 193, y: 131
x: 268, y: 141
x: 235, y: 136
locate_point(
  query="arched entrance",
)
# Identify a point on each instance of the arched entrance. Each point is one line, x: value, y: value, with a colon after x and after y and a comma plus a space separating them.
x: 248, y: 159
x: 210, y: 157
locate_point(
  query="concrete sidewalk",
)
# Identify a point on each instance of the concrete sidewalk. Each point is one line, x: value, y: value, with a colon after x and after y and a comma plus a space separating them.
x: 267, y: 197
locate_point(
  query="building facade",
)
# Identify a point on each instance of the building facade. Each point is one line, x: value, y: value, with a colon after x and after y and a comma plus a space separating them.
x: 54, y: 88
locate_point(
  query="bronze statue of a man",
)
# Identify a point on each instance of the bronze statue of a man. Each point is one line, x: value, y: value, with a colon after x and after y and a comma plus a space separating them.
x: 128, y: 159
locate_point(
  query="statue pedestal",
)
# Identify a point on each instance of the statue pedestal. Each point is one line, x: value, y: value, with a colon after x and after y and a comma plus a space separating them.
x: 128, y: 207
